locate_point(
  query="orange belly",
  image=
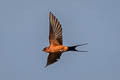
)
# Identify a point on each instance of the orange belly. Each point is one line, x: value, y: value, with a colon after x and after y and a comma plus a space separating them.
x: 56, y: 49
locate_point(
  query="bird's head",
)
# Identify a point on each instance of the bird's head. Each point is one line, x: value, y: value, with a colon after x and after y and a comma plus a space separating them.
x: 45, y: 49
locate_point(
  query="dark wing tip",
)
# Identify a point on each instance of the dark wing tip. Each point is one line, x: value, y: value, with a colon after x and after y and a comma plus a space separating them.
x: 52, y: 58
x: 50, y: 13
x: 50, y: 63
x: 45, y: 66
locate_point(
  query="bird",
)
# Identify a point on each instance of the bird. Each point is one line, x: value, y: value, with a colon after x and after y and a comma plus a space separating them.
x: 56, y: 47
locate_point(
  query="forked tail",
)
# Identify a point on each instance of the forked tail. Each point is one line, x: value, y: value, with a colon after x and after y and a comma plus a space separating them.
x: 73, y: 48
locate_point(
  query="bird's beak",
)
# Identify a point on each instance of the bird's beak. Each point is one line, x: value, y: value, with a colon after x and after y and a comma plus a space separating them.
x: 42, y: 49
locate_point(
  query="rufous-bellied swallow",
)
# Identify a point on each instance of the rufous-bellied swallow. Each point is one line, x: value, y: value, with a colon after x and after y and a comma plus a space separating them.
x: 56, y: 47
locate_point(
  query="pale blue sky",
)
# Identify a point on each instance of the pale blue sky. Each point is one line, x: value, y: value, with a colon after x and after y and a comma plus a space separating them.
x: 24, y: 32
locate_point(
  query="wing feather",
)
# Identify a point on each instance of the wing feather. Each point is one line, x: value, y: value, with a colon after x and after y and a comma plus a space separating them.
x: 52, y: 58
x: 55, y: 32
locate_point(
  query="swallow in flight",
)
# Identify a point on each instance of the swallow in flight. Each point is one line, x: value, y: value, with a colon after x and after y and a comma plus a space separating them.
x: 56, y: 47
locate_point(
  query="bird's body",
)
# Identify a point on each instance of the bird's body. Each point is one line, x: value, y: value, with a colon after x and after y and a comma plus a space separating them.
x: 56, y: 47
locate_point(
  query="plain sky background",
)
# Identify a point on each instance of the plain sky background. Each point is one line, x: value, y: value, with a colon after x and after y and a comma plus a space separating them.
x: 24, y: 27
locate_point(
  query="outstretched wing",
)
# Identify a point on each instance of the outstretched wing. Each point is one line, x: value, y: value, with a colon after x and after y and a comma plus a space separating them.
x: 52, y: 58
x: 55, y: 31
